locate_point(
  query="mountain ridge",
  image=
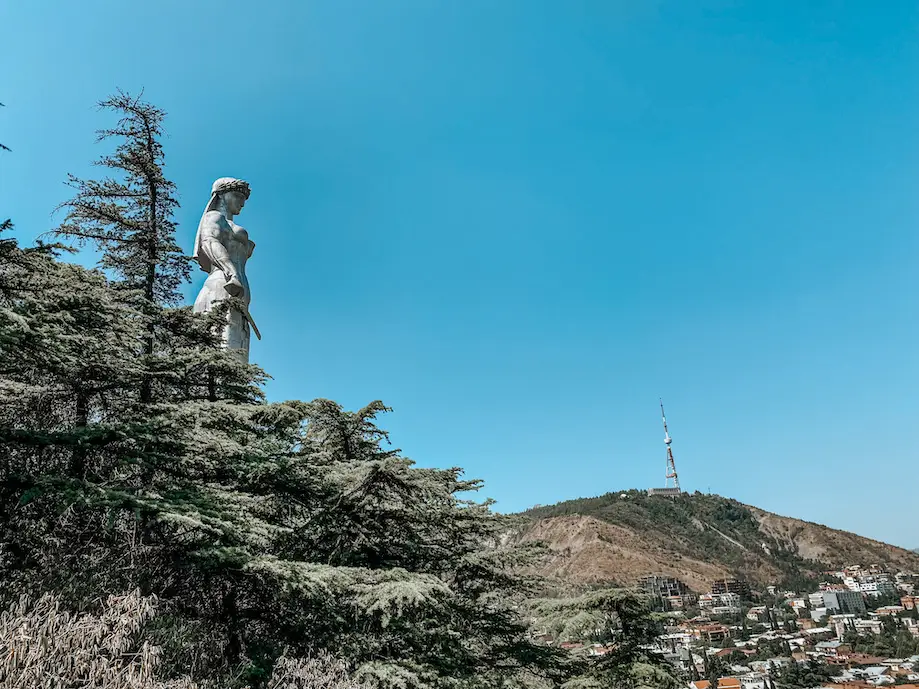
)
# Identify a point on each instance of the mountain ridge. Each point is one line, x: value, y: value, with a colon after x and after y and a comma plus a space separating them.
x: 619, y: 537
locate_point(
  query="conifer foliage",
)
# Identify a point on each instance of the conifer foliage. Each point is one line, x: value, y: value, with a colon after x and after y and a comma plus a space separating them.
x: 621, y: 621
x: 145, y: 482
x: 129, y: 216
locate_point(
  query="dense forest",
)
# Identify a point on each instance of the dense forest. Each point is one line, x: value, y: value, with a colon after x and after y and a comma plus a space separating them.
x: 163, y: 525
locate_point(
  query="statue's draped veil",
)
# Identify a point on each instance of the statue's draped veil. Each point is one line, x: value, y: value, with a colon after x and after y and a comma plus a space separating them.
x: 221, y: 185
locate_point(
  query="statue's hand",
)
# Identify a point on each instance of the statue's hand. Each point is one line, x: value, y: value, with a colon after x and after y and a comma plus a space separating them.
x: 234, y: 287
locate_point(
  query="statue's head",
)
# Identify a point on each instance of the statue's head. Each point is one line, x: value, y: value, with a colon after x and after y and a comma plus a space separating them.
x: 234, y: 193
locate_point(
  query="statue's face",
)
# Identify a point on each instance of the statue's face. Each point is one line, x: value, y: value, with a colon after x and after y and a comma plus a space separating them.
x: 235, y: 201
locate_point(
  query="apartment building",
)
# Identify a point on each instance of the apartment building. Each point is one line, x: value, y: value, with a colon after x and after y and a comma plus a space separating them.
x: 844, y: 602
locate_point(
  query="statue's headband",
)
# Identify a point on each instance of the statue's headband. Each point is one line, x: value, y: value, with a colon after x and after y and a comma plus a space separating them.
x: 225, y: 184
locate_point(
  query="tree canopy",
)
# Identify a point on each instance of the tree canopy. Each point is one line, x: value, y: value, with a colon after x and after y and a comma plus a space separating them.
x: 146, y: 482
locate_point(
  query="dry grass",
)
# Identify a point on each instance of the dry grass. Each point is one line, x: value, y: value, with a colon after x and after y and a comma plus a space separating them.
x: 43, y: 646
x: 321, y: 672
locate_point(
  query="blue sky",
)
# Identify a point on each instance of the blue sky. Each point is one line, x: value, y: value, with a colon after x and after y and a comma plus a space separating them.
x: 520, y: 223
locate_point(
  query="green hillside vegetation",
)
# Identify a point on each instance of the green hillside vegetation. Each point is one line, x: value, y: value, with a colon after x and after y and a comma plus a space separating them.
x: 691, y: 523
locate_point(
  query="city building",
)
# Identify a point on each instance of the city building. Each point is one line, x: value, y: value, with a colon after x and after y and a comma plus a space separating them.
x: 832, y: 648
x: 878, y: 588
x: 679, y: 602
x: 869, y: 626
x: 756, y: 613
x: 818, y: 614
x: 844, y: 601
x: 888, y: 610
x: 663, y: 586
x: 723, y: 683
x: 713, y: 600
x: 816, y: 600
x: 728, y: 598
x: 712, y: 633
x: 673, y: 593
x: 726, y: 610
x: 797, y: 604
x: 741, y: 588
x: 842, y: 624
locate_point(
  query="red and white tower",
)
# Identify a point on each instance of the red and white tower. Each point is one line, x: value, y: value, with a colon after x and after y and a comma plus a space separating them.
x: 671, y: 465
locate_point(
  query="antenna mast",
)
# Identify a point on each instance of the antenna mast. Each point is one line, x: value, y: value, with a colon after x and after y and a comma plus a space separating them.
x: 671, y: 465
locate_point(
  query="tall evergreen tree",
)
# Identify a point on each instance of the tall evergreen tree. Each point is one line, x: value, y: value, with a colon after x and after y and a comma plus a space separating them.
x: 694, y: 675
x: 715, y: 671
x: 129, y: 216
x: 623, y: 618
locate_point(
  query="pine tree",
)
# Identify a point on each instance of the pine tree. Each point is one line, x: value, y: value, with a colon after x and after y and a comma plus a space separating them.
x: 694, y: 675
x: 624, y: 618
x: 129, y: 216
x: 122, y: 446
x: 715, y: 670
x: 415, y: 576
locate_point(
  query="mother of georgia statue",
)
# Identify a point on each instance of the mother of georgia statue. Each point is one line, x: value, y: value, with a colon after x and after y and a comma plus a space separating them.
x: 222, y: 248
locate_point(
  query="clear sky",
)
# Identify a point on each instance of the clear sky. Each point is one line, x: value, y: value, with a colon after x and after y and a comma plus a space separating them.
x: 520, y: 223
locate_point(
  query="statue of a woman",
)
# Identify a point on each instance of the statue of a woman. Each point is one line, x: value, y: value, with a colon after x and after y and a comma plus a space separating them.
x: 222, y: 248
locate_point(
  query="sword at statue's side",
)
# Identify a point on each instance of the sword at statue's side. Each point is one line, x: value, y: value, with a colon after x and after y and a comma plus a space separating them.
x: 252, y: 323
x: 234, y: 288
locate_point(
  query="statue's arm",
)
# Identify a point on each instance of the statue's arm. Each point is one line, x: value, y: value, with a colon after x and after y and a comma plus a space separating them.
x: 212, y: 245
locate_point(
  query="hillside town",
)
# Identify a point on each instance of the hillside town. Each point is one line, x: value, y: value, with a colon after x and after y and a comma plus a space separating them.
x: 858, y: 629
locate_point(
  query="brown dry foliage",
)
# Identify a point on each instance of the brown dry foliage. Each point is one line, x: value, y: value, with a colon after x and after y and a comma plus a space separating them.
x: 43, y: 646
x: 321, y: 672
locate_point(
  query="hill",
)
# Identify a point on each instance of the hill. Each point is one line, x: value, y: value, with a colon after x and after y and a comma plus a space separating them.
x: 619, y: 537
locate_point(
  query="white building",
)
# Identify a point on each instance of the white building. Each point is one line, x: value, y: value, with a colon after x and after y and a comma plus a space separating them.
x: 869, y: 626
x: 710, y: 600
x: 878, y: 585
x: 842, y: 624
x: 819, y: 613
x: 756, y: 613
x: 726, y: 610
x: 732, y: 599
x: 797, y: 604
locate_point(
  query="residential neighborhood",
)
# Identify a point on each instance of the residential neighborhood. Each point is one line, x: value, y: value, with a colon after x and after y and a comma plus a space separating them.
x: 857, y: 629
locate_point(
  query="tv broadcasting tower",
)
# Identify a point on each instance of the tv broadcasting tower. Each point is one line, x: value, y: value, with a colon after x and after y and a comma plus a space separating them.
x: 671, y: 465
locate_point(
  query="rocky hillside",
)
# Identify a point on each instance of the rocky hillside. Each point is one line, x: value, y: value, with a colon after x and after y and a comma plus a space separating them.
x: 620, y: 537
